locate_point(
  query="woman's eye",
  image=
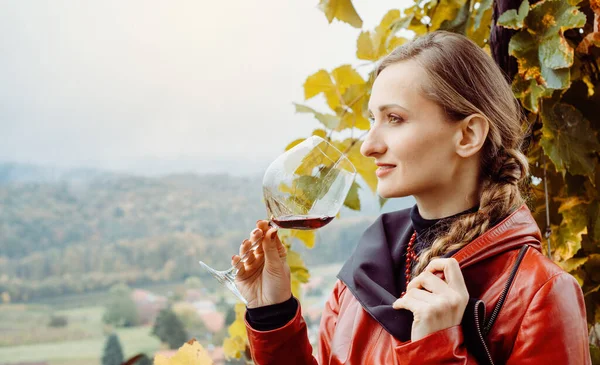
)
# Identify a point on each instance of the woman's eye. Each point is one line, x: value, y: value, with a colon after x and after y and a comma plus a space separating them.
x: 371, y: 121
x: 394, y: 119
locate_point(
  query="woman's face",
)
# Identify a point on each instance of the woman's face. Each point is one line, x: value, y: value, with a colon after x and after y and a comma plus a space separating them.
x: 410, y: 139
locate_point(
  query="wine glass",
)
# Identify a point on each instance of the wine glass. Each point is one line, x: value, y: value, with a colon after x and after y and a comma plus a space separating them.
x: 304, y: 188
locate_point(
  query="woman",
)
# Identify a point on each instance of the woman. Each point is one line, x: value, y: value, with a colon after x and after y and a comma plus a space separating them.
x: 457, y: 279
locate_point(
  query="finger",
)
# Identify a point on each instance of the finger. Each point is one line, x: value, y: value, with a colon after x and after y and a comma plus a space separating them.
x: 249, y: 260
x: 430, y: 282
x: 263, y: 225
x: 422, y: 295
x: 271, y: 245
x: 411, y: 304
x: 245, y: 246
x: 452, y: 273
x: 241, y: 270
x: 256, y: 235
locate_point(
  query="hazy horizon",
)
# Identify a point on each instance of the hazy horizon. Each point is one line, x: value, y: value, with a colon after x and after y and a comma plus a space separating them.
x: 172, y: 87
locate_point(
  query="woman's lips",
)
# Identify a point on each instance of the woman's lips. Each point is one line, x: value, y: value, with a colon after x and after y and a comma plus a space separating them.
x: 384, y: 170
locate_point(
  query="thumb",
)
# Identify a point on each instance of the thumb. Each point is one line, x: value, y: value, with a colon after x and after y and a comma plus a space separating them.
x: 271, y: 247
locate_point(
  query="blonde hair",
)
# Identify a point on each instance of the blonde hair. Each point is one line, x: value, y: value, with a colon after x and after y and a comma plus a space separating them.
x: 464, y: 80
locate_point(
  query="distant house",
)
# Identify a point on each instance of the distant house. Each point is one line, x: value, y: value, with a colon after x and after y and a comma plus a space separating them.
x: 148, y: 304
x: 214, y: 321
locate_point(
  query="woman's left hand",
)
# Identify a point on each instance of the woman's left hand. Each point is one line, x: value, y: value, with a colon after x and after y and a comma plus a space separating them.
x: 436, y: 303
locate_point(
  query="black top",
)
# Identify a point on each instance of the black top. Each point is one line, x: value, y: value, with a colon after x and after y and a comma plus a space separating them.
x: 374, y: 271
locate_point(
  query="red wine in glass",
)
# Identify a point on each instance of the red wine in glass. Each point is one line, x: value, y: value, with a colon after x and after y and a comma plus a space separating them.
x: 302, y: 222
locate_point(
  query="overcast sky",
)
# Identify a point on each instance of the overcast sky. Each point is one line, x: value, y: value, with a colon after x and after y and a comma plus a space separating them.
x: 118, y: 84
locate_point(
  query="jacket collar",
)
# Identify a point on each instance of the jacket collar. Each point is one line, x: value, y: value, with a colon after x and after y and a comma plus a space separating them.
x: 513, y: 232
x: 373, y: 273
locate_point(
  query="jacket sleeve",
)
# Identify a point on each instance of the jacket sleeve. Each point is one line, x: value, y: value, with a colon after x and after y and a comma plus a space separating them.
x: 553, y: 331
x: 290, y: 344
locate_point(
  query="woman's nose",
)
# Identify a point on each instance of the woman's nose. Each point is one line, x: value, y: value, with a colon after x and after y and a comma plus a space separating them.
x: 373, y: 144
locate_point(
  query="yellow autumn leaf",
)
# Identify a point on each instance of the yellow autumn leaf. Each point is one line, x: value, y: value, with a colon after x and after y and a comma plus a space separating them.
x: 320, y: 132
x: 319, y: 82
x: 233, y: 348
x: 191, y: 353
x: 342, y: 10
x: 235, y: 345
x: 294, y: 143
x: 365, y: 166
x: 307, y: 237
x: 445, y: 10
x: 345, y: 76
x: 365, y: 49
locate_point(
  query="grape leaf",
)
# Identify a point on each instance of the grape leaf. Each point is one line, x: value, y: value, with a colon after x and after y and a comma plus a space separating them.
x: 352, y: 200
x: 568, y: 139
x: 478, y: 29
x: 306, y: 237
x: 541, y: 50
x: 372, y: 45
x: 294, y: 143
x: 593, y: 38
x: 513, y: 19
x: 529, y: 92
x: 342, y: 10
x: 328, y: 120
x: 191, y: 353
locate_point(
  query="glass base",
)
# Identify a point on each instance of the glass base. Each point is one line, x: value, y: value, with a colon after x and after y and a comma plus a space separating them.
x: 226, y: 278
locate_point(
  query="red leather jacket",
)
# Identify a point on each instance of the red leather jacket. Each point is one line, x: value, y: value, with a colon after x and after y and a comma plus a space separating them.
x: 543, y: 319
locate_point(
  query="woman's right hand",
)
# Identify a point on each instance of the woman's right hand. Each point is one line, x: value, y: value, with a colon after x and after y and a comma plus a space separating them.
x: 264, y: 278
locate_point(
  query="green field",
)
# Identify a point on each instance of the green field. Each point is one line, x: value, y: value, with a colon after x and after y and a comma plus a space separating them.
x: 26, y: 336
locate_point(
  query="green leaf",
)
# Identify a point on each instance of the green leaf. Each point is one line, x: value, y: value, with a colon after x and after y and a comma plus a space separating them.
x: 529, y: 92
x: 342, y: 10
x: 540, y: 48
x: 568, y: 139
x: 328, y: 120
x: 513, y: 19
x: 551, y: 17
x: 555, y: 52
x: 352, y: 200
x: 480, y: 22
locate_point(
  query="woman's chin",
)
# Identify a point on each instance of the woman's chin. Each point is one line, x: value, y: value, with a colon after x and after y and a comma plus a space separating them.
x: 391, y: 193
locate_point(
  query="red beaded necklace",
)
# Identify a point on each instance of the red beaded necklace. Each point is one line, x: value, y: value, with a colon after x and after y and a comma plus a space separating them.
x: 411, y: 256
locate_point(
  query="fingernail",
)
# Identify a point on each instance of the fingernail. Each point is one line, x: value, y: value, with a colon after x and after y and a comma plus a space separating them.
x: 232, y: 257
x: 273, y: 234
x: 255, y: 231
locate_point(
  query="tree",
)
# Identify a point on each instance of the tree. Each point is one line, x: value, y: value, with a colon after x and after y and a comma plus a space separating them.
x: 169, y: 329
x: 549, y: 50
x: 121, y: 310
x: 113, y: 353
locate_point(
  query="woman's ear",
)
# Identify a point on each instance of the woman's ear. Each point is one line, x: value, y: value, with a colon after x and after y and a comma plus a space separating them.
x: 471, y: 135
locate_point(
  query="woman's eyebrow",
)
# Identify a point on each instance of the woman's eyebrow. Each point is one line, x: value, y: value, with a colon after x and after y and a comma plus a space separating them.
x: 389, y: 106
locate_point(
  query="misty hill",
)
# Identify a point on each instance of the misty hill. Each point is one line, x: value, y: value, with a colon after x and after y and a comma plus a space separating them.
x: 76, y: 231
